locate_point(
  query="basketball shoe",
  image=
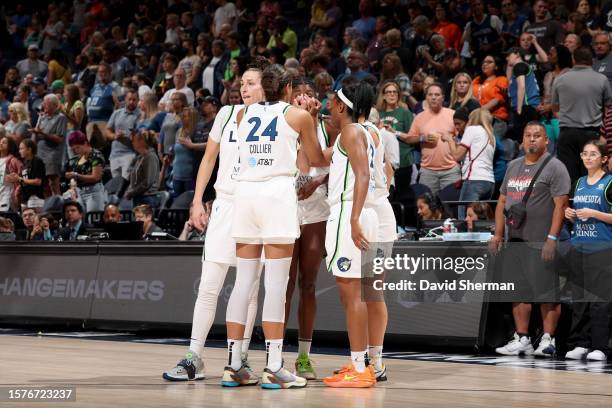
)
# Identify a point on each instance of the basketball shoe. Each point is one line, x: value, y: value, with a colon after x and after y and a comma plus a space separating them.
x: 237, y: 378
x: 547, y: 347
x: 352, y: 379
x: 516, y: 346
x: 189, y: 368
x: 280, y: 379
x: 381, y: 375
x: 303, y: 367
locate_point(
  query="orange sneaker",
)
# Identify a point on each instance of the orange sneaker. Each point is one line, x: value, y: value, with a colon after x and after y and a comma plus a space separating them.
x: 344, y: 369
x: 352, y: 379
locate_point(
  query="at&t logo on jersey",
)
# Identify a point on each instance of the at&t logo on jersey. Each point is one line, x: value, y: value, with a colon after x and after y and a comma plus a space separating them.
x: 344, y: 264
x: 260, y: 162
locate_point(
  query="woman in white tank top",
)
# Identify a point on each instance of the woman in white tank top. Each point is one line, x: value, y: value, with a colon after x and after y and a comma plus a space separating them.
x: 309, y: 248
x: 265, y: 217
x: 219, y: 251
x: 351, y: 189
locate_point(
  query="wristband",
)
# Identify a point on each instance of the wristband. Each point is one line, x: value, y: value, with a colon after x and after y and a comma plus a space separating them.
x: 422, y: 139
x: 552, y: 237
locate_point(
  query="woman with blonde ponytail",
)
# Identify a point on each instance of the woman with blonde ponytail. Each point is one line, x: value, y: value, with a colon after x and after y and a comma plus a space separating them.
x: 476, y: 149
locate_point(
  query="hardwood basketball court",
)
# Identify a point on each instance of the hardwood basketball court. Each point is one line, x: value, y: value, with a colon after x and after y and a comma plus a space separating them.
x: 125, y: 374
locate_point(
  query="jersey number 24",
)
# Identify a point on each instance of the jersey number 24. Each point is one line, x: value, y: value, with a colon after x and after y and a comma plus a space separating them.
x: 269, y: 131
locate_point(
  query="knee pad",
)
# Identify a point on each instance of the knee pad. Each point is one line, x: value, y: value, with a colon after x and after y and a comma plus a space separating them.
x: 275, y: 281
x: 247, y: 274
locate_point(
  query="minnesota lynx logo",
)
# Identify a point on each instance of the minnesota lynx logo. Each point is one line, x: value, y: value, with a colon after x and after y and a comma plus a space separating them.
x: 344, y: 264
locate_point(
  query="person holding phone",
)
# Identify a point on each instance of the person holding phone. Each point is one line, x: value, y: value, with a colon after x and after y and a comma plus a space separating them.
x: 119, y: 132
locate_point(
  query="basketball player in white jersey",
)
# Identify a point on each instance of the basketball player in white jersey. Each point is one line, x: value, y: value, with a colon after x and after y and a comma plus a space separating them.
x: 351, y: 196
x: 386, y: 236
x: 309, y: 248
x: 265, y: 216
x: 219, y: 247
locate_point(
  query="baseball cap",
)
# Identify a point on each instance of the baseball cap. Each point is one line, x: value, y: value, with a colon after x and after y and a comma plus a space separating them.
x: 38, y: 81
x: 33, y: 47
x: 213, y: 100
x: 57, y: 84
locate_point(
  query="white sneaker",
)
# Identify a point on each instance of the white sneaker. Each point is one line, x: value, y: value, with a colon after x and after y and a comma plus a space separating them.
x: 516, y: 346
x: 596, y: 355
x: 577, y: 353
x: 546, y: 348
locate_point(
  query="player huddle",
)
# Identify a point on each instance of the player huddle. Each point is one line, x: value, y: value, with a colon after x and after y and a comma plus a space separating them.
x: 291, y: 187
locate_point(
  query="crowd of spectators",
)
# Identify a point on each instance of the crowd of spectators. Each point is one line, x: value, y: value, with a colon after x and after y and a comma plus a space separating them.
x: 100, y: 93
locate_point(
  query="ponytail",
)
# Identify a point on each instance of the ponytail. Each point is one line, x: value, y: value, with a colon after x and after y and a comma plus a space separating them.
x: 362, y: 96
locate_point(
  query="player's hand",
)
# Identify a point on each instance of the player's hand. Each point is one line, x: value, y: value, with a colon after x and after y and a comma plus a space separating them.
x: 314, y: 106
x: 359, y: 239
x: 570, y: 214
x: 198, y: 218
x: 307, y: 189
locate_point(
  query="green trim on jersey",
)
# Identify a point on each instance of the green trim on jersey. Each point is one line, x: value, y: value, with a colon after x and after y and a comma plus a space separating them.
x: 228, y: 119
x: 605, y: 193
x: 322, y: 122
x: 338, y: 234
x: 286, y: 108
x: 341, y: 150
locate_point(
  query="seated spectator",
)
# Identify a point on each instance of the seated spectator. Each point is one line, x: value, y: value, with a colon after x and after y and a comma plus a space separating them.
x: 429, y: 207
x: 7, y: 229
x: 111, y: 214
x: 46, y: 228
x: 19, y: 122
x: 75, y: 224
x: 86, y: 169
x: 30, y: 220
x: 49, y: 133
x: 190, y: 233
x: 10, y: 170
x: 144, y: 173
x: 478, y: 212
x: 144, y: 214
x: 32, y: 175
x: 461, y: 93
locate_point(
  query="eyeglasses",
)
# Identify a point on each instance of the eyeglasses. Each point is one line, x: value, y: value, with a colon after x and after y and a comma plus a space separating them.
x: 591, y: 155
x: 391, y: 92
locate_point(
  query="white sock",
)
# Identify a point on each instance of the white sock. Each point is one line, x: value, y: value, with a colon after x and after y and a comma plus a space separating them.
x: 304, y: 346
x: 358, y: 358
x: 274, y: 354
x: 234, y: 348
x: 211, y: 282
x: 375, y: 355
x: 245, y: 348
